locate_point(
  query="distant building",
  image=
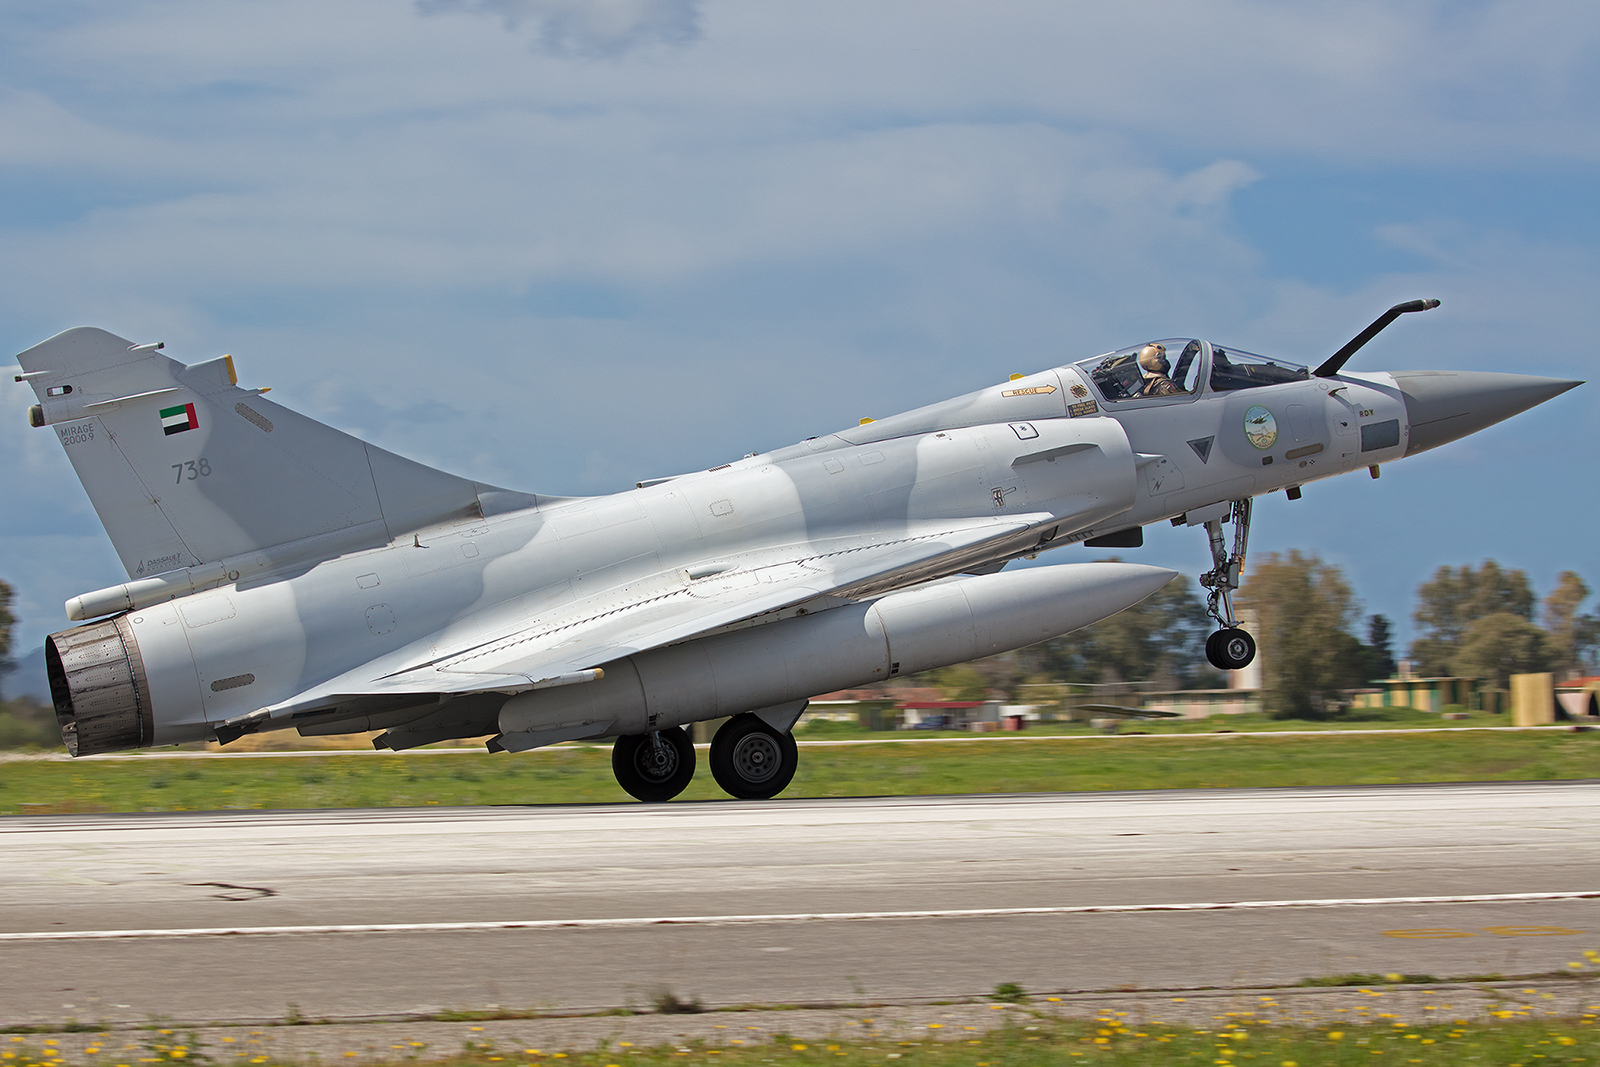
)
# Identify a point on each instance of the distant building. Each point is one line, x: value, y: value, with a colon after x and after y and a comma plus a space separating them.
x: 1204, y: 703
x: 1580, y: 696
x: 1429, y: 694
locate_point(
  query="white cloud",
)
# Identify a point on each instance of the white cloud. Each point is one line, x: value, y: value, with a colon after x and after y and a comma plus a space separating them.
x: 587, y: 28
x: 443, y: 205
x: 1416, y: 81
x: 775, y: 218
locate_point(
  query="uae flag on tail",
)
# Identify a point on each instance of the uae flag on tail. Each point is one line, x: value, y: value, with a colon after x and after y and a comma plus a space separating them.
x: 178, y: 419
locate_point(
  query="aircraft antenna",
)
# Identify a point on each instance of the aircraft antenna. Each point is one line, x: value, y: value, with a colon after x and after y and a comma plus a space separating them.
x: 1335, y: 364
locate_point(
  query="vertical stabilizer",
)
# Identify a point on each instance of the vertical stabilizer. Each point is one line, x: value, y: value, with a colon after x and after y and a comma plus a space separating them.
x: 184, y: 467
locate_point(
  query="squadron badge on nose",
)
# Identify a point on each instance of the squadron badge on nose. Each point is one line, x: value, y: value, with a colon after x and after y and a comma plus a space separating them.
x: 1260, y: 427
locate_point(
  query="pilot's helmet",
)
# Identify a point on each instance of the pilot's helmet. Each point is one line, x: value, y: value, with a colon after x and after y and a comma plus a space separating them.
x: 1153, y: 360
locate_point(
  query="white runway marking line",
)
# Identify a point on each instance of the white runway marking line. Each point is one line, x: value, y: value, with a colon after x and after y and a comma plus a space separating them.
x: 797, y: 917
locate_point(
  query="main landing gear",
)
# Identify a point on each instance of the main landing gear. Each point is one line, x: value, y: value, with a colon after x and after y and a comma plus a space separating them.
x: 654, y: 767
x: 1230, y: 648
x: 750, y: 759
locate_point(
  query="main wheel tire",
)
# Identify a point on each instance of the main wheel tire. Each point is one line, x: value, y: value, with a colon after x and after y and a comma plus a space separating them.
x: 650, y: 773
x: 1231, y: 649
x: 752, y: 761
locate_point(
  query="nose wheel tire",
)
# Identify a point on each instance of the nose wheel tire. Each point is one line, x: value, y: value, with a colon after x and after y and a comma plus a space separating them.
x: 751, y: 760
x: 650, y: 771
x: 1231, y: 649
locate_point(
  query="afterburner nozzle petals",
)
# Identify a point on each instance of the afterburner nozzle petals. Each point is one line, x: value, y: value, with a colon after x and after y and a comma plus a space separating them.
x: 1444, y: 406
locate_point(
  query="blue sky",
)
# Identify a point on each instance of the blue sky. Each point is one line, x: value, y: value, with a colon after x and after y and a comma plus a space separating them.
x: 566, y: 245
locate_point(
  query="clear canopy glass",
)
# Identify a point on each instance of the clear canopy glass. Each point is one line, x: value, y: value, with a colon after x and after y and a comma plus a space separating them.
x: 1169, y: 367
x: 1233, y: 369
x: 1172, y: 367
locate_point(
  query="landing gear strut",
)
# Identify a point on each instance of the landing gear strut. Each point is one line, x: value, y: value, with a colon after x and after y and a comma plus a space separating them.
x: 654, y: 767
x: 1230, y: 648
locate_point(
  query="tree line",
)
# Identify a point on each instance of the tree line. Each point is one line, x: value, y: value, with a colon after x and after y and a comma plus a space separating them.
x: 1482, y: 622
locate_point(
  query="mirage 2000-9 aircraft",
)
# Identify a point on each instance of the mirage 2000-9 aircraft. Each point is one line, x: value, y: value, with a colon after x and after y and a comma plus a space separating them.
x: 286, y: 575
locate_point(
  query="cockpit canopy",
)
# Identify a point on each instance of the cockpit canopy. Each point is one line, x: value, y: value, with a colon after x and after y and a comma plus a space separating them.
x: 1233, y: 369
x: 1173, y: 367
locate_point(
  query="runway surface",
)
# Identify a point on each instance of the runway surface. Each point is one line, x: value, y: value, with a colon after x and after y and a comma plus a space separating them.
x: 806, y: 901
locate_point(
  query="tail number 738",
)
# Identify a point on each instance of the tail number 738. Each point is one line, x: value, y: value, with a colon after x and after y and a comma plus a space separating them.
x: 191, y: 470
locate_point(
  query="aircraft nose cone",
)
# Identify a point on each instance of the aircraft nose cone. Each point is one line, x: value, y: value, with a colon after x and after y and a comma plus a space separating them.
x: 1443, y: 406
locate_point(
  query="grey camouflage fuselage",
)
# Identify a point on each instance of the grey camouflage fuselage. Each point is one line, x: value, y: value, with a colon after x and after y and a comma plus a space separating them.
x: 284, y: 574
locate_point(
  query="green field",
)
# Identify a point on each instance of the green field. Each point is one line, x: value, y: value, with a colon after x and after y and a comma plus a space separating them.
x: 567, y: 774
x: 1043, y: 1041
x: 1254, y: 722
x: 27, y: 726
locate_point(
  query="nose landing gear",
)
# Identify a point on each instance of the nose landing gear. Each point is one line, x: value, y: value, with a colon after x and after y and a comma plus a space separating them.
x: 1230, y: 648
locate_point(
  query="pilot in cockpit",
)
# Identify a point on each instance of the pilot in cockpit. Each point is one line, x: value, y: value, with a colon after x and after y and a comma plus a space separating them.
x: 1157, y: 372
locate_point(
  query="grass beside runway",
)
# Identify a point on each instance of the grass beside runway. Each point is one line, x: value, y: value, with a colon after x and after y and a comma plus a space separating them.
x: 569, y: 774
x: 1033, y: 1040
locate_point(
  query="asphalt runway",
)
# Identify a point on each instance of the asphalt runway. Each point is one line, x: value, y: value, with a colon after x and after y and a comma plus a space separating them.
x: 378, y: 912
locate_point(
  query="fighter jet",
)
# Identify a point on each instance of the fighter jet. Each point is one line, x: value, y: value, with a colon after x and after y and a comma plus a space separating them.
x: 286, y: 575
